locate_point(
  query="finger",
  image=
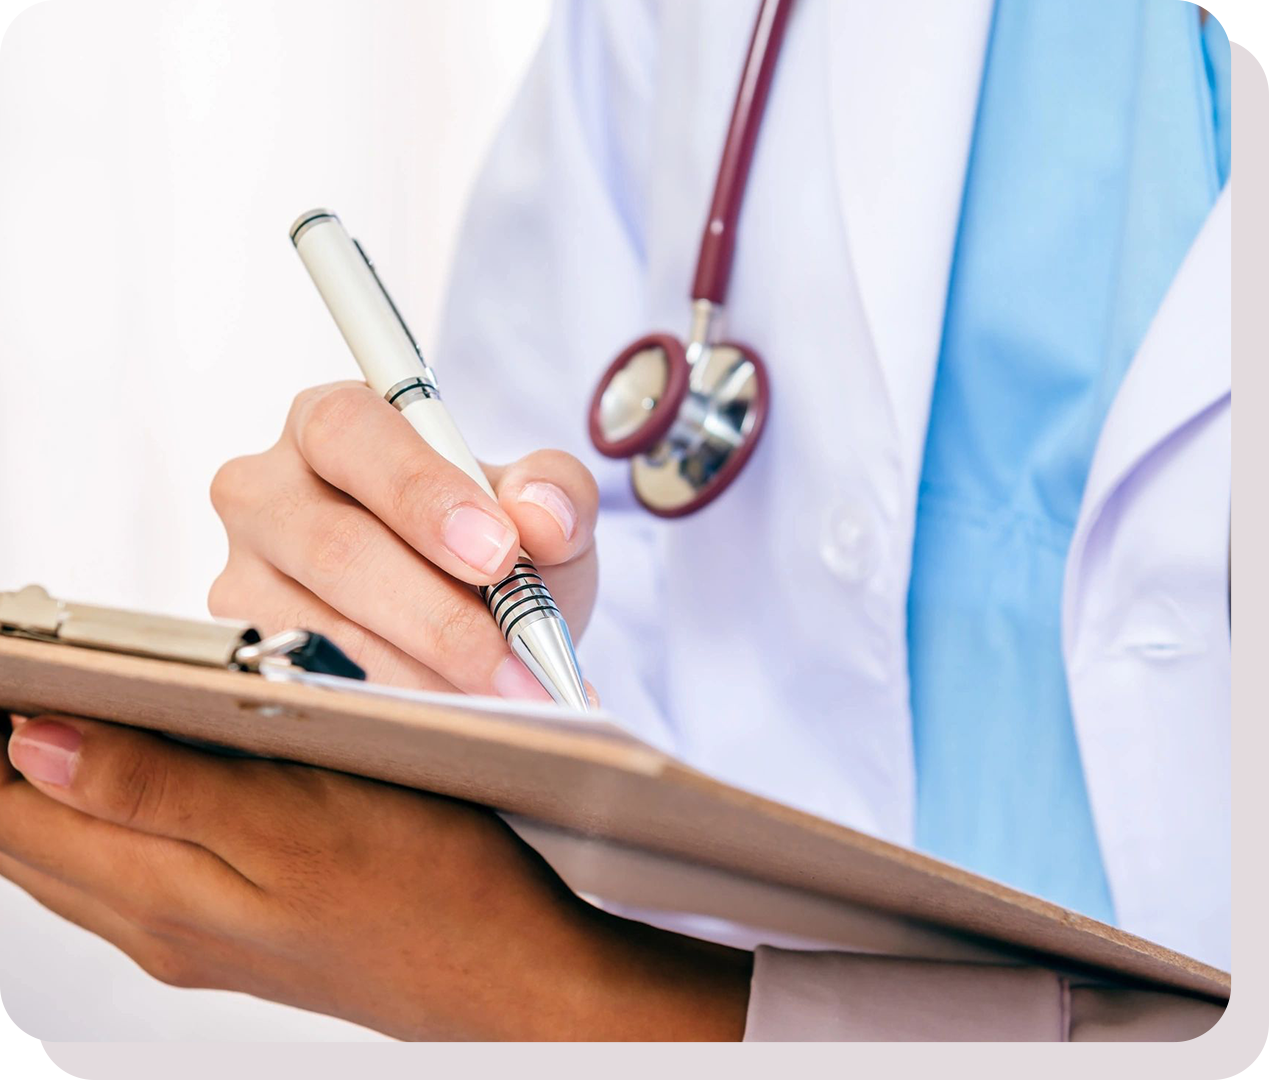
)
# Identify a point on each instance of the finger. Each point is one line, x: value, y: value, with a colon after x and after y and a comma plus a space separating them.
x: 146, y: 878
x: 73, y: 904
x: 553, y: 500
x: 8, y: 774
x: 132, y: 778
x: 361, y: 445
x: 345, y: 556
x: 155, y: 950
x: 251, y: 590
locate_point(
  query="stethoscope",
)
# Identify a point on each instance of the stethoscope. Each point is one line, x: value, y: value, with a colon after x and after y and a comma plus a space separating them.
x: 689, y: 416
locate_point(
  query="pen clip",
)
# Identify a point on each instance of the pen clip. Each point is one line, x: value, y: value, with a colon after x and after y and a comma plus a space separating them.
x: 388, y: 297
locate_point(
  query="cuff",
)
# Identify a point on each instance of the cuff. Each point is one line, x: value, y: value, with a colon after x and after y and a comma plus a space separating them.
x: 1107, y: 1014
x: 846, y: 997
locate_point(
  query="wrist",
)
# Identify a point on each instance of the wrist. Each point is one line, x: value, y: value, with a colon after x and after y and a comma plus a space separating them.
x: 627, y: 981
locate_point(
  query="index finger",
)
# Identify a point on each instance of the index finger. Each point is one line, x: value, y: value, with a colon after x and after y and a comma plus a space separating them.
x: 357, y: 442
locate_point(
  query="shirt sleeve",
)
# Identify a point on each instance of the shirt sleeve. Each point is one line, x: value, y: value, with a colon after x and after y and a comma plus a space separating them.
x: 843, y: 997
x: 1110, y: 1014
x: 548, y: 285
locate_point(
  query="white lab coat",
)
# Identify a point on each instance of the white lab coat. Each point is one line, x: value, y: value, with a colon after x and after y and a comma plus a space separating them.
x: 763, y: 640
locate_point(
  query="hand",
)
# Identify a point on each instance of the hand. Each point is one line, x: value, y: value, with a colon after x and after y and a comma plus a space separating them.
x: 419, y: 916
x: 352, y: 526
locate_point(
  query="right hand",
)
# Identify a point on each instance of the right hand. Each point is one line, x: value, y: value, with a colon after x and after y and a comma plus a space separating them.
x: 353, y: 527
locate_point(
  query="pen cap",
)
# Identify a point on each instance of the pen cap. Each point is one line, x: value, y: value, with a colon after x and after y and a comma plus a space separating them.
x: 370, y: 324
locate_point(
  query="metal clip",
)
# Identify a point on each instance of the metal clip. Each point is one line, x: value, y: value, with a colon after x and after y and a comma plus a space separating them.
x: 298, y: 649
x: 272, y: 652
x: 33, y: 614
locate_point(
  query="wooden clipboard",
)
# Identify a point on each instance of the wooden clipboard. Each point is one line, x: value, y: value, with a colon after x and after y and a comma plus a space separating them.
x: 618, y: 819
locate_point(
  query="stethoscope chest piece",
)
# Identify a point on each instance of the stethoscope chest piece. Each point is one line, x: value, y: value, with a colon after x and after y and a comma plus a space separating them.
x: 639, y: 396
x: 687, y: 418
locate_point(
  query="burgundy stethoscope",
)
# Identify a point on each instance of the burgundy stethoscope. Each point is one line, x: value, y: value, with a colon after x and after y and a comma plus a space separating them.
x: 689, y: 416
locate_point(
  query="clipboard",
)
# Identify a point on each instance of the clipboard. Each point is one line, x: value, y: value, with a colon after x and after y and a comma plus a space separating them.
x: 619, y: 819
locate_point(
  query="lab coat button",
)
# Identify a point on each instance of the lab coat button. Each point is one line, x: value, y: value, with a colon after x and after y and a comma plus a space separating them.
x: 848, y: 545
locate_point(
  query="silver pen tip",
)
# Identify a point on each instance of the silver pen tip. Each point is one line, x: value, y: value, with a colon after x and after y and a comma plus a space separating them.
x: 522, y: 606
x: 544, y: 645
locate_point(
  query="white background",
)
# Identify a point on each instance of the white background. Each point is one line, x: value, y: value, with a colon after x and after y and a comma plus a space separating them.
x: 155, y: 320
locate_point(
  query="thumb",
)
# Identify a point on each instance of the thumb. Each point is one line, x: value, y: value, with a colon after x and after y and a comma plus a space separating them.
x: 130, y: 778
x: 553, y: 500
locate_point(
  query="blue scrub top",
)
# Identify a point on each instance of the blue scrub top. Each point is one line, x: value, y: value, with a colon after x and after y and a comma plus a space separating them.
x: 1102, y: 142
x: 1220, y: 28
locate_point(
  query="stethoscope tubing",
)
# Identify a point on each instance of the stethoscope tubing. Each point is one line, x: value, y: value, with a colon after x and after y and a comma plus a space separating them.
x: 718, y: 242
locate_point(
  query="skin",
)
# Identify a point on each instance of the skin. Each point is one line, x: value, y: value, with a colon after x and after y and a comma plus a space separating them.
x: 419, y: 916
x: 340, y: 527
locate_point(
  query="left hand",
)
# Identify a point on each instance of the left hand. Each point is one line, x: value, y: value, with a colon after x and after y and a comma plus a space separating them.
x: 416, y: 915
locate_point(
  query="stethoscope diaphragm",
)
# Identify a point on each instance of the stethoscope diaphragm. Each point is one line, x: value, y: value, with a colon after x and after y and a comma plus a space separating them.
x: 689, y: 416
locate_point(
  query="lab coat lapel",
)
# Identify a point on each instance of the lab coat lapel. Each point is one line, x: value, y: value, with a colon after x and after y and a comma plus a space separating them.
x: 1182, y: 367
x: 905, y: 83
x: 1144, y: 728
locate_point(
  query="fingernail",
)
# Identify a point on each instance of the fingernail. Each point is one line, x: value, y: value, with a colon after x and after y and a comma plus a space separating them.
x: 481, y: 541
x: 514, y: 680
x: 46, y: 752
x: 553, y: 500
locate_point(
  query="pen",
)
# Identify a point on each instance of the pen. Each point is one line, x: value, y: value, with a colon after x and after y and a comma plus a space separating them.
x: 393, y: 366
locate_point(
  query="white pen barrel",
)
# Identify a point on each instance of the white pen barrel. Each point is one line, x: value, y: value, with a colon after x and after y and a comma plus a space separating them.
x: 376, y: 334
x: 430, y: 418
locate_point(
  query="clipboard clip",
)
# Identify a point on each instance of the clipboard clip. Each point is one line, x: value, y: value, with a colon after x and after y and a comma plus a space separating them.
x: 33, y: 614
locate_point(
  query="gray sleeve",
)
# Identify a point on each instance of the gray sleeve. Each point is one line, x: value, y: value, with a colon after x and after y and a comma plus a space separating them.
x: 1109, y: 1014
x: 845, y: 997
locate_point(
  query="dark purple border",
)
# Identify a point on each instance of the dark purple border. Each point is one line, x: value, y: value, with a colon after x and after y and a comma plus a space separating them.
x: 1227, y: 1046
